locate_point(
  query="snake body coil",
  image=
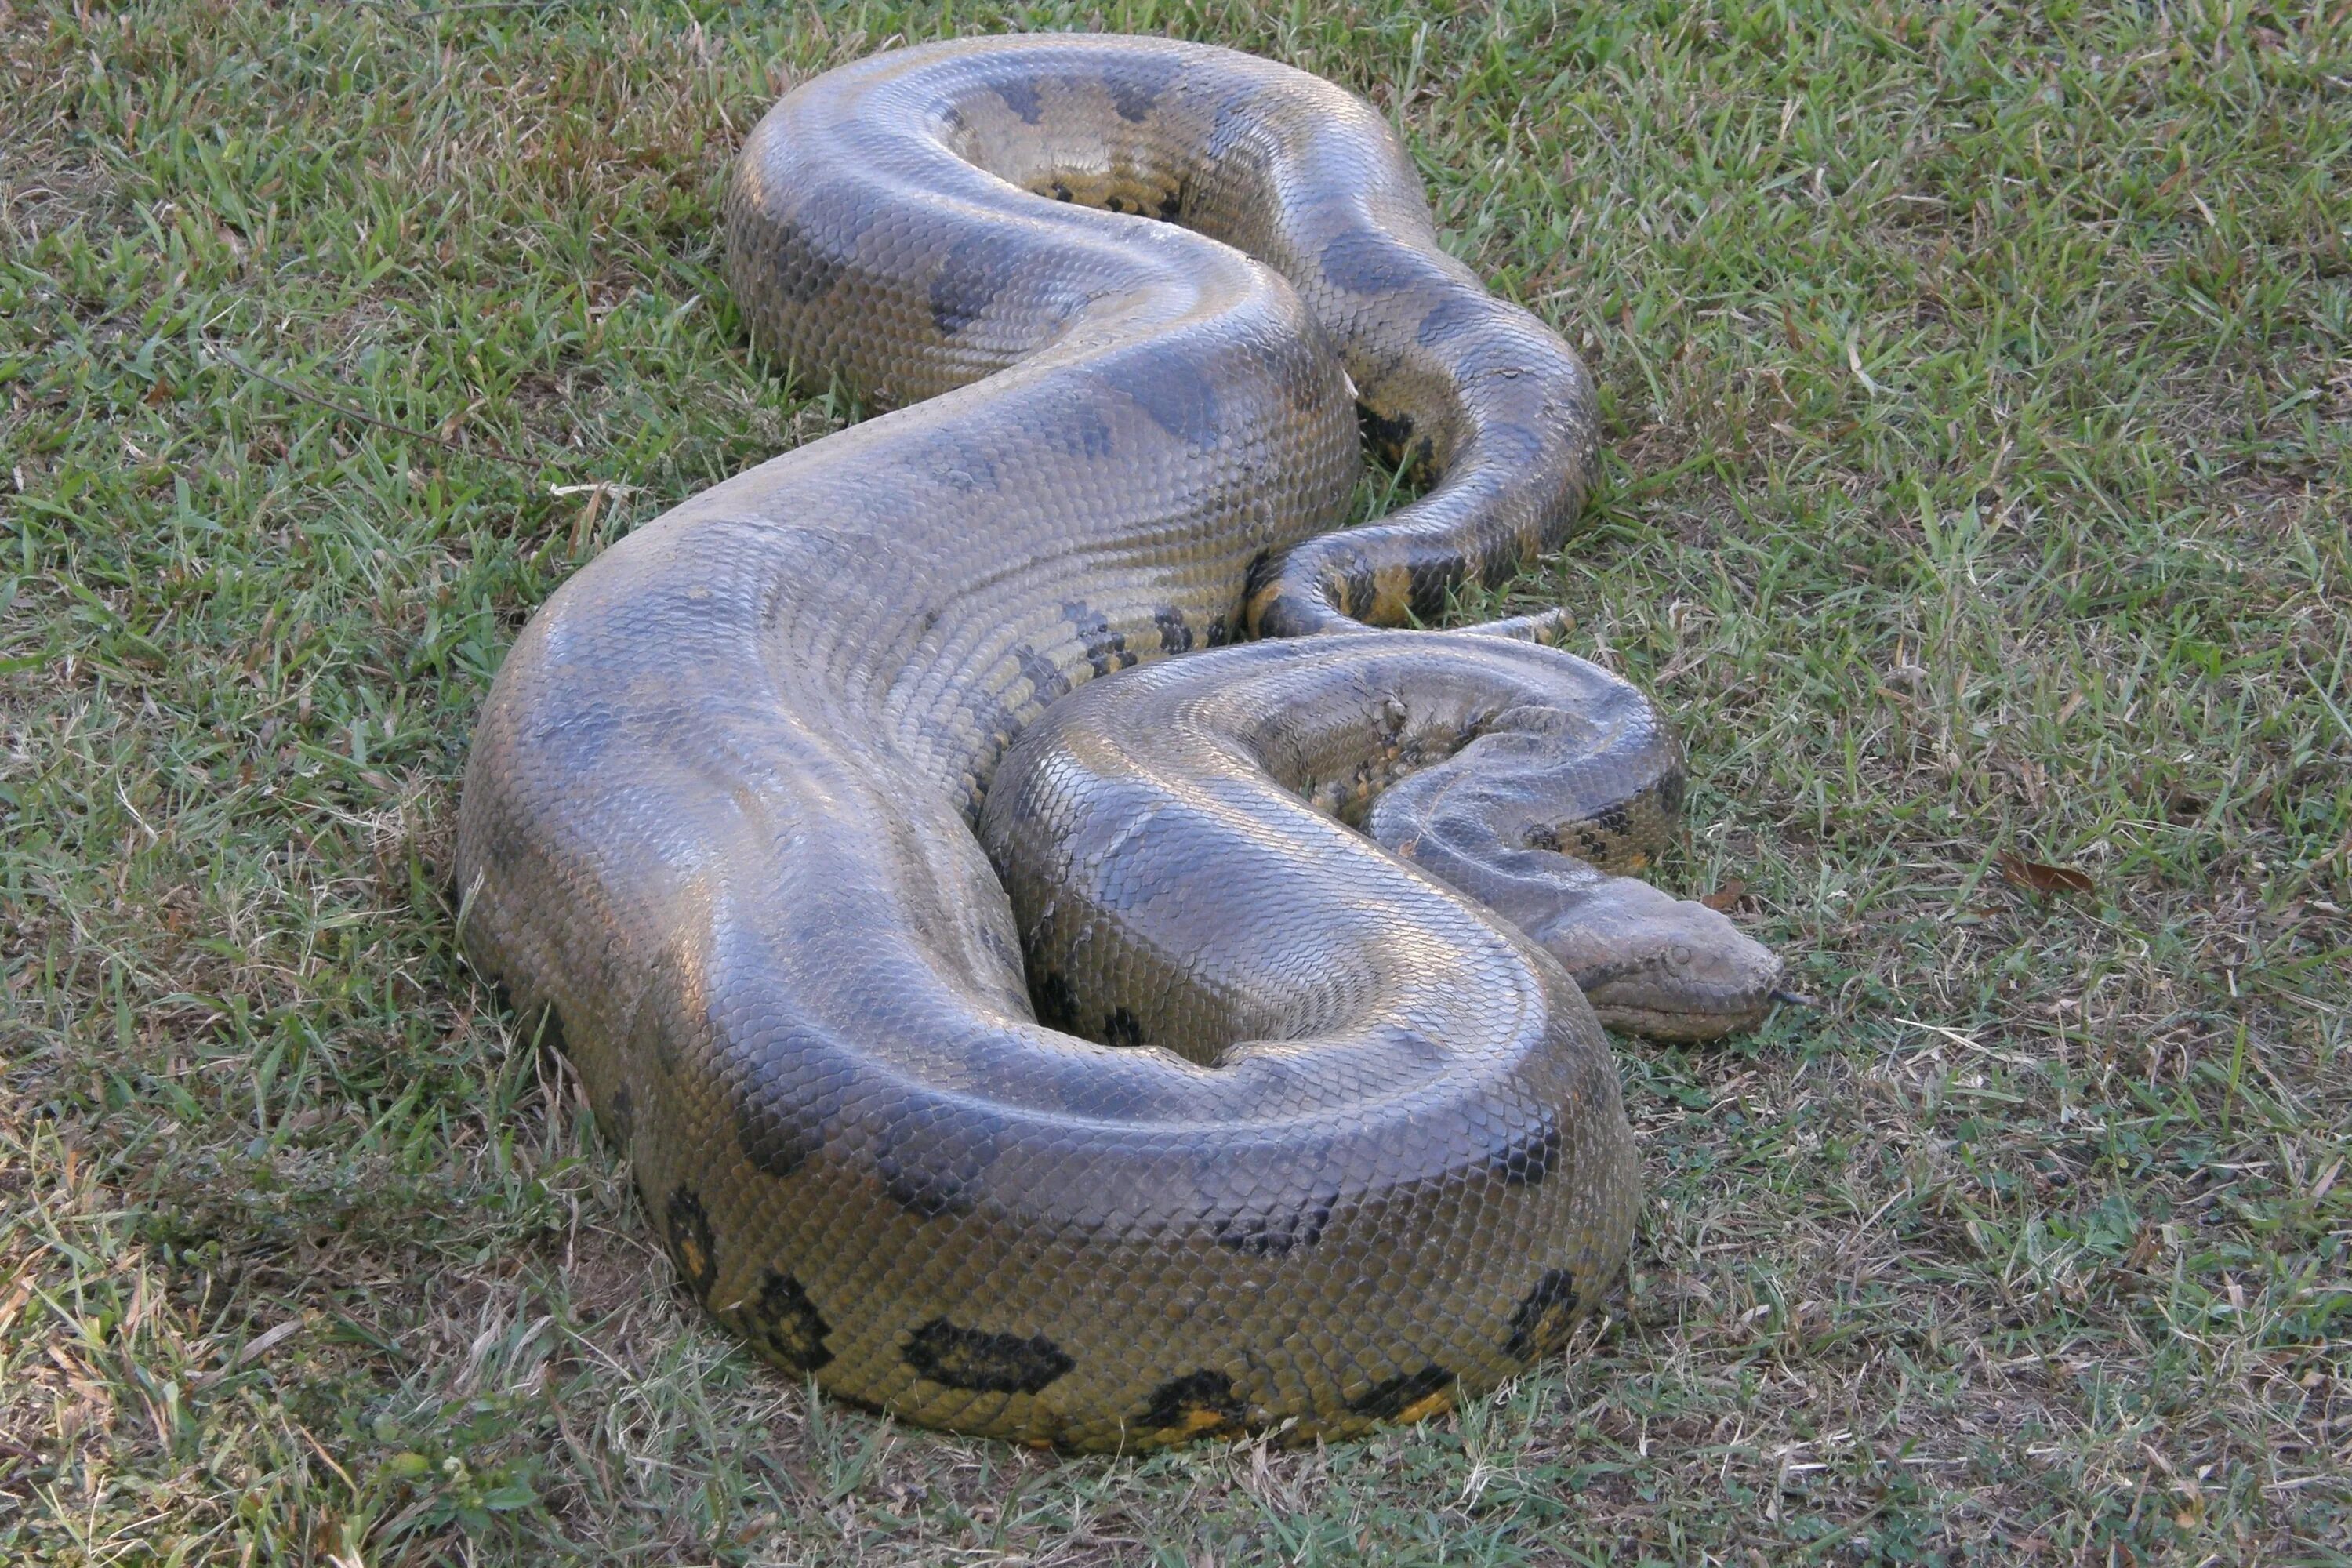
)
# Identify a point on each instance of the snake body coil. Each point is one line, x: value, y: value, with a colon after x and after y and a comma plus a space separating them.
x: 1106, y: 1062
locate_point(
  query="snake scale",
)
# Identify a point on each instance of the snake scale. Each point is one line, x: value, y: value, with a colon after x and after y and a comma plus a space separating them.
x: 1103, y: 1062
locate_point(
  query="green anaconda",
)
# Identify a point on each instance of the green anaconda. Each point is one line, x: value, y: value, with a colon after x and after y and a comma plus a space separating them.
x: 1104, y: 1061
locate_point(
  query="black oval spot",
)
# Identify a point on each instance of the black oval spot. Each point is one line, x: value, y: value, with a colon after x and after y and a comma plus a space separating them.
x: 1105, y: 649
x: 1540, y: 1324
x: 982, y: 1362
x: 1195, y: 1403
x: 1527, y: 1160
x: 690, y: 1245
x: 621, y: 1119
x: 1175, y: 637
x: 1122, y: 1028
x: 1271, y: 1233
x: 1395, y: 1396
x: 1045, y: 678
x: 785, y: 1325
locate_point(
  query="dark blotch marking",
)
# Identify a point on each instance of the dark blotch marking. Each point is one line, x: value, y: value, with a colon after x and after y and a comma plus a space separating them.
x: 1353, y: 576
x: 1261, y: 573
x: 1043, y: 675
x: 690, y: 1247
x: 973, y: 274
x: 982, y: 1362
x: 1594, y: 848
x: 1457, y: 310
x: 1020, y: 97
x: 1671, y: 786
x: 1000, y: 723
x: 1172, y: 206
x: 1093, y: 433
x: 809, y: 249
x: 1057, y: 1006
x: 1133, y: 98
x: 1615, y: 819
x: 1122, y: 1028
x: 1430, y: 579
x: 931, y: 1162
x: 1267, y: 1212
x: 1219, y: 633
x: 958, y: 465
x: 546, y: 1031
x: 1387, y: 434
x: 1235, y: 119
x: 1358, y: 261
x: 1526, y: 1162
x: 1175, y: 637
x: 1392, y: 1397
x: 1060, y: 191
x: 1509, y: 445
x: 799, y: 270
x: 1543, y: 837
x: 1258, y: 1234
x: 1540, y: 1324
x: 1179, y: 398
x: 785, y: 1325
x: 1106, y: 649
x: 621, y: 1119
x: 1198, y: 1401
x: 781, y: 1111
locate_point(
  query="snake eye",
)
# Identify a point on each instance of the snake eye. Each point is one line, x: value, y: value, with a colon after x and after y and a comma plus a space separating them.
x: 1679, y: 956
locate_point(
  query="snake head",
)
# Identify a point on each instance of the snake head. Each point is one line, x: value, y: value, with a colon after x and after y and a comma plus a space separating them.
x: 1654, y: 964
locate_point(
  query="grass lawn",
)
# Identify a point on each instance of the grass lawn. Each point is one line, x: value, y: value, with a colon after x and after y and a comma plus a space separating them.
x: 1978, y: 381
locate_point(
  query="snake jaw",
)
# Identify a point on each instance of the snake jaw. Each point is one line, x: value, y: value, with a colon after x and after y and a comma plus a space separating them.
x: 1664, y: 967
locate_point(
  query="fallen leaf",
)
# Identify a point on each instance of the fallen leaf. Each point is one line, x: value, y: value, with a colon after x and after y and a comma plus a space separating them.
x: 2017, y: 870
x: 1725, y: 897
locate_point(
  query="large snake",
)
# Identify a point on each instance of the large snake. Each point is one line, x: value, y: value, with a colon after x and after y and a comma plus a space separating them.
x: 1104, y: 1061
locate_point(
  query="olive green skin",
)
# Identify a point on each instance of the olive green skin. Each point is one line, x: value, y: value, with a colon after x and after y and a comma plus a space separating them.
x: 1273, y: 1128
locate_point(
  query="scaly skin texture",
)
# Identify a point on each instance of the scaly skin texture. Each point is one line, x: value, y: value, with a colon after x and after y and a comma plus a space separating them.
x: 1275, y: 1128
